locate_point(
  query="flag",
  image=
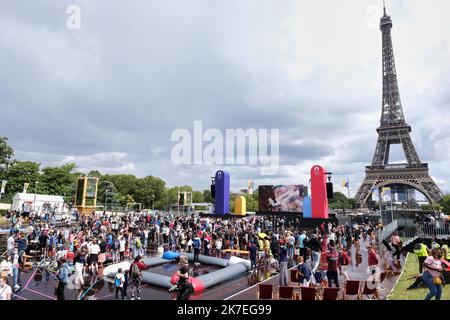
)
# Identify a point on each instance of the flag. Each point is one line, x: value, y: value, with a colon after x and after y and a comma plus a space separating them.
x: 25, y: 187
x: 345, y: 183
x: 386, y: 194
x: 3, y: 186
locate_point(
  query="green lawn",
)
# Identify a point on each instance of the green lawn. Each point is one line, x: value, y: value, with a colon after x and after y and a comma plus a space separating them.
x: 411, y: 269
x: 3, y: 221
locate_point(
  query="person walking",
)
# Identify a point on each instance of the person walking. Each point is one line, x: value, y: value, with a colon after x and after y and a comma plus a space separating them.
x: 16, y: 263
x: 432, y: 276
x: 136, y: 277
x: 94, y: 250
x: 397, y: 244
x: 119, y: 280
x: 61, y: 277
x: 315, y: 247
x: 344, y: 263
x: 196, y: 243
x: 252, y: 252
x: 333, y: 262
x: 283, y: 261
x: 303, y: 272
x: 10, y: 244
x: 421, y: 251
x: 122, y: 245
x: 372, y: 259
x: 302, y: 244
x: 79, y: 262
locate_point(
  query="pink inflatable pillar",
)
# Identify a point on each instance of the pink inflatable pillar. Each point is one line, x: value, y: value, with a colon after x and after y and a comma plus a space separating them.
x: 319, y: 201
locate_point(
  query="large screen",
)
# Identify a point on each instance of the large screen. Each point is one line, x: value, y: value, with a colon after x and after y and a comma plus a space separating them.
x: 79, y: 194
x: 281, y: 198
x: 91, y: 190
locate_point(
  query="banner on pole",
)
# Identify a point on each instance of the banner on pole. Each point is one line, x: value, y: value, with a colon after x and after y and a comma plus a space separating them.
x: 25, y: 187
x: 2, y: 190
x: 386, y: 194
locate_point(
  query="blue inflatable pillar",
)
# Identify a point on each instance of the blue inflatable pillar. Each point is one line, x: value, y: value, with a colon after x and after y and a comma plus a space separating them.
x: 222, y: 188
x: 307, y: 209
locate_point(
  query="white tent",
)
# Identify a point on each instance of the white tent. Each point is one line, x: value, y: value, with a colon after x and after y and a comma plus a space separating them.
x: 37, y: 201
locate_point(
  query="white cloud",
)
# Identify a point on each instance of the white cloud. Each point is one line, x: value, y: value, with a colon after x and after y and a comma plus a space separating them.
x: 108, y: 96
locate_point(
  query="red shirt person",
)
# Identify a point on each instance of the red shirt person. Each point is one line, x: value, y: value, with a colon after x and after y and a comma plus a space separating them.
x: 135, y: 275
x: 372, y: 257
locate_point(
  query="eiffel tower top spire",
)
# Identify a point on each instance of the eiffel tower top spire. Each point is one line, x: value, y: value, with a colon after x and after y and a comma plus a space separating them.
x: 392, y: 112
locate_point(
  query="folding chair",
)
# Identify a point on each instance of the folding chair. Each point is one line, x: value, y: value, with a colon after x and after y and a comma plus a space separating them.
x: 369, y: 291
x: 265, y: 291
x: 294, y: 278
x: 352, y: 288
x: 308, y: 293
x: 330, y: 293
x: 286, y: 293
x: 383, y: 277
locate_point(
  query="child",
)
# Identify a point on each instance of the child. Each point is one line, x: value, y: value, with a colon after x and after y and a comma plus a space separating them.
x: 119, y: 281
x: 303, y: 272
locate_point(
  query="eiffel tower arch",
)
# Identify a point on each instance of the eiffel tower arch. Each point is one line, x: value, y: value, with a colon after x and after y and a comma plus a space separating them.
x: 394, y: 130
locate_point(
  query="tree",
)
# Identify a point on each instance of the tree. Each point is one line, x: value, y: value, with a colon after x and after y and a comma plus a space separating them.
x: 19, y: 173
x: 6, y: 152
x: 59, y: 180
x: 207, y: 196
x: 148, y: 190
x: 445, y: 203
x: 251, y: 202
x: 340, y: 201
x: 197, y: 197
x: 125, y: 200
x: 124, y: 183
x: 94, y: 173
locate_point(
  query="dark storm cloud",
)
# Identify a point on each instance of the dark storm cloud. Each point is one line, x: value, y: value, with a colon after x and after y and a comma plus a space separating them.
x: 108, y: 96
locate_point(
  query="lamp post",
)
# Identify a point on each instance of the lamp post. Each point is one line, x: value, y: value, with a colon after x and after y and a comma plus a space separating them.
x: 106, y: 199
x: 35, y: 194
x: 153, y: 202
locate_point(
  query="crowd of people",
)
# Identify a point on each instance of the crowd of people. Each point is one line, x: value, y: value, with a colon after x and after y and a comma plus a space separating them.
x: 273, y: 244
x: 430, y: 260
x: 87, y: 244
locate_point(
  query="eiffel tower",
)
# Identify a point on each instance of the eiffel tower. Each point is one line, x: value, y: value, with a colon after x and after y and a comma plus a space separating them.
x: 394, y: 130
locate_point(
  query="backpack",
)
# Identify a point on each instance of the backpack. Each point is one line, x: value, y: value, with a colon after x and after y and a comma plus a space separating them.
x: 117, y: 281
x: 196, y: 243
x: 135, y: 272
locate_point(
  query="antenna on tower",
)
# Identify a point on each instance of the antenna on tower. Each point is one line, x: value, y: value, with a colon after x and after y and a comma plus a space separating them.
x: 384, y: 7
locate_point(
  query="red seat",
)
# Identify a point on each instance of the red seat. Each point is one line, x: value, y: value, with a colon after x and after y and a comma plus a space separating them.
x: 286, y: 293
x: 369, y: 291
x: 352, y: 288
x: 294, y: 277
x: 265, y: 291
x: 330, y: 293
x: 308, y: 293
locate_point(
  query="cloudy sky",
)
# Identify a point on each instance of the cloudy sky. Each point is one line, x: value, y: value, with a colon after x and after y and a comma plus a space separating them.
x: 109, y: 95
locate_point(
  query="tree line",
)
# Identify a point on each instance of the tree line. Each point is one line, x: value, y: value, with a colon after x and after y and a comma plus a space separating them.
x: 114, y: 190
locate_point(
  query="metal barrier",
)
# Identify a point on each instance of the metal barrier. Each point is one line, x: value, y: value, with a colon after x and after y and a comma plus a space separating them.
x: 429, y: 229
x: 387, y: 230
x: 437, y: 229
